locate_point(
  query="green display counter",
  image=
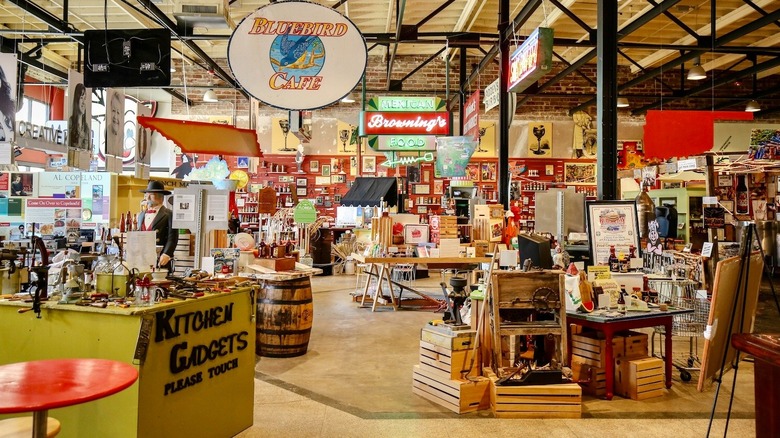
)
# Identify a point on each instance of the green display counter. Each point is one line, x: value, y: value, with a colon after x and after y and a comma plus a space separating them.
x: 195, y: 360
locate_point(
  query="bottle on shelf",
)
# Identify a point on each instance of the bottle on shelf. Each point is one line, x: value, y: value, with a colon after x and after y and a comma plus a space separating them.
x: 135, y: 222
x: 129, y: 223
x: 743, y: 196
x: 614, y: 262
x: 621, y: 304
x: 122, y: 224
x: 289, y: 246
x: 262, y: 247
x: 272, y: 248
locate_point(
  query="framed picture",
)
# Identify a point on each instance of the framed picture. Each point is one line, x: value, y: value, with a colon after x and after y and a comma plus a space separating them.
x: 369, y: 164
x: 301, y: 182
x: 326, y: 170
x: 488, y: 171
x: 579, y: 173
x: 336, y: 198
x: 472, y: 171
x: 415, y: 234
x: 242, y: 162
x: 322, y: 180
x: 438, y: 187
x: 319, y: 200
x: 421, y: 189
x: 314, y: 166
x: 422, y: 209
x: 667, y: 201
x: 413, y: 174
x: 338, y: 179
x: 301, y: 191
x: 426, y: 176
x: 611, y: 223
x: 540, y: 139
x: 549, y: 170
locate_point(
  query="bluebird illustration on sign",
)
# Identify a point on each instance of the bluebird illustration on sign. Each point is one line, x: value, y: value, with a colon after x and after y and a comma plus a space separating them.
x: 304, y: 54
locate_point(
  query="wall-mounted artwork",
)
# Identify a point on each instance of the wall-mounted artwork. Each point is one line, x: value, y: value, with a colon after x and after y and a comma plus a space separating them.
x: 540, y: 139
x: 579, y: 173
x: 488, y: 171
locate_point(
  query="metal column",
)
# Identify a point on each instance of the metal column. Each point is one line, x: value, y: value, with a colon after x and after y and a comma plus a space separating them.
x: 606, y: 99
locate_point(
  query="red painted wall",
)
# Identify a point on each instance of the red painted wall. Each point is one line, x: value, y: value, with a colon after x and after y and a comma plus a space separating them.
x: 53, y: 96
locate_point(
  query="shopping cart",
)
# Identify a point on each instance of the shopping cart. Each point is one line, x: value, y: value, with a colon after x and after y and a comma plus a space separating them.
x: 682, y: 294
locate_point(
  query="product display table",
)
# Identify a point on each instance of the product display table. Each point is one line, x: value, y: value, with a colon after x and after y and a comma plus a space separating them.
x: 765, y: 348
x: 40, y: 385
x: 632, y: 320
x: 384, y: 268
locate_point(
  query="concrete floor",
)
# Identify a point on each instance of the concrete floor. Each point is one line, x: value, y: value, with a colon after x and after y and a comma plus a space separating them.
x: 356, y: 379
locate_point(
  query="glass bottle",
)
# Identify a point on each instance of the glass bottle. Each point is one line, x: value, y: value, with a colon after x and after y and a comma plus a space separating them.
x: 129, y: 223
x: 122, y: 224
x: 273, y: 248
x: 743, y: 196
x: 621, y: 303
x: 614, y: 263
x: 135, y: 222
x: 289, y: 246
x: 262, y: 247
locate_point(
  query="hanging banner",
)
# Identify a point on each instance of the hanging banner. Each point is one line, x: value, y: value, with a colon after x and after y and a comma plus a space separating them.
x: 297, y: 55
x: 471, y: 116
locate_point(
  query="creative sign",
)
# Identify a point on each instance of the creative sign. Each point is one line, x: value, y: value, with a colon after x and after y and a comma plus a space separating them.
x: 400, y: 103
x: 402, y: 143
x: 304, y: 212
x: 297, y: 55
x: 531, y: 60
x: 471, y: 116
x: 388, y: 123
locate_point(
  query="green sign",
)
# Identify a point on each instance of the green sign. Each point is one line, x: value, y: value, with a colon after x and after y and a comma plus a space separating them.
x: 406, y: 104
x: 402, y: 143
x: 304, y: 212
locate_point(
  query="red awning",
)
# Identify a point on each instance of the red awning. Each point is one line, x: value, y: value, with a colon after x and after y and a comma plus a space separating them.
x: 205, y: 138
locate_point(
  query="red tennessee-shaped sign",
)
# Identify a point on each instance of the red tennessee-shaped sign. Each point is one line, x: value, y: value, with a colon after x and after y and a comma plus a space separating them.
x: 385, y: 123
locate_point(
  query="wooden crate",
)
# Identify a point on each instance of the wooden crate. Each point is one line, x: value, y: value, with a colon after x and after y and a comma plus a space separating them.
x: 446, y: 363
x: 594, y: 380
x: 635, y: 344
x: 535, y: 401
x: 639, y: 378
x: 589, y: 348
x: 277, y: 264
x: 441, y: 336
x: 456, y: 395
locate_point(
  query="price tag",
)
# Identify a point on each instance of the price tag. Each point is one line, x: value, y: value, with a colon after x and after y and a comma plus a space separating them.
x: 599, y: 273
x: 706, y: 249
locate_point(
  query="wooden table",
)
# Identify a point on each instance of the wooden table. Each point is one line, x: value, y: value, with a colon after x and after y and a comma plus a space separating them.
x: 383, y: 274
x: 632, y: 320
x: 41, y: 385
x: 765, y: 348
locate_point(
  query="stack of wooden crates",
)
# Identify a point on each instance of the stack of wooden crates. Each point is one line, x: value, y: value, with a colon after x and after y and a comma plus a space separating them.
x: 443, y: 227
x: 637, y: 376
x: 448, y: 374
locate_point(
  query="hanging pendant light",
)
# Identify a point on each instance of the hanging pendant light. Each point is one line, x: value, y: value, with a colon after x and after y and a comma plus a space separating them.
x: 752, y: 106
x: 622, y: 102
x: 697, y: 73
x: 210, y: 96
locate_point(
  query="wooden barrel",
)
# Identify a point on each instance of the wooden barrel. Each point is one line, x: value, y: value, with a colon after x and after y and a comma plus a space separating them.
x: 284, y: 316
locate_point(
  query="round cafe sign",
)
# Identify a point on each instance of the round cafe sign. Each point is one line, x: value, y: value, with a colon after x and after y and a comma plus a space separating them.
x: 297, y: 55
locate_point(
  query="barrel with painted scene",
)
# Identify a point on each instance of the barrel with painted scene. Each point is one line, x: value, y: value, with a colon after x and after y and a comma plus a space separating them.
x: 285, y: 312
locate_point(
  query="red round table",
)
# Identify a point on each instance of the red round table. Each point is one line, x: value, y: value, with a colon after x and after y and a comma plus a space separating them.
x: 41, y: 385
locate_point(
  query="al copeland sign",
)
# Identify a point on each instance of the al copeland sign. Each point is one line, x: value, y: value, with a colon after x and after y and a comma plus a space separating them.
x: 297, y: 55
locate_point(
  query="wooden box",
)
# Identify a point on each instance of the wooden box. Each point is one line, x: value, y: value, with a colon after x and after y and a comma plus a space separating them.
x: 282, y: 264
x: 481, y: 247
x: 535, y: 401
x: 441, y: 336
x: 589, y: 348
x: 593, y: 381
x: 456, y: 395
x: 635, y: 344
x: 446, y: 363
x: 639, y: 378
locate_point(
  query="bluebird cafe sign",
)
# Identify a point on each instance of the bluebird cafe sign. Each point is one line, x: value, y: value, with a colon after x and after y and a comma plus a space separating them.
x: 531, y: 60
x: 297, y: 55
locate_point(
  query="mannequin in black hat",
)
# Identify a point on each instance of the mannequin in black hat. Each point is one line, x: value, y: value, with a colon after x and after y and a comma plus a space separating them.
x: 159, y: 218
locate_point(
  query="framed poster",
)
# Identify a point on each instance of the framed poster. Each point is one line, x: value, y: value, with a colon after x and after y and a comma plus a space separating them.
x: 611, y: 223
x: 488, y: 171
x: 301, y: 191
x: 421, y: 189
x: 579, y: 173
x: 301, y: 182
x: 242, y: 162
x: 415, y: 234
x: 314, y: 166
x: 725, y: 180
x: 438, y: 187
x: 338, y: 179
x: 326, y: 170
x: 369, y: 164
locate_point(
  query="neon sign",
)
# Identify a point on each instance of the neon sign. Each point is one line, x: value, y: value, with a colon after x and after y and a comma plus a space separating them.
x: 401, y: 143
x: 394, y: 103
x: 531, y: 60
x: 405, y: 161
x: 388, y: 123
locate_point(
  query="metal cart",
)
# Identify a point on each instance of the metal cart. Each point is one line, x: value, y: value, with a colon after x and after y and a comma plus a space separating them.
x: 682, y: 294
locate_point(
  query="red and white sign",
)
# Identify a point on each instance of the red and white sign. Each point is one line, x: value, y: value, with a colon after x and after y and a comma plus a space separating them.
x: 297, y: 55
x: 385, y: 123
x: 471, y: 116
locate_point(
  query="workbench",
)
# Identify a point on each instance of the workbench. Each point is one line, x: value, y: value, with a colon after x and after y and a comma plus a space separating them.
x: 381, y: 268
x: 181, y: 389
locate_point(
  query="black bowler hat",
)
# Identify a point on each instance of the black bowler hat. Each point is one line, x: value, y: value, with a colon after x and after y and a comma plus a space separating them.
x: 156, y: 187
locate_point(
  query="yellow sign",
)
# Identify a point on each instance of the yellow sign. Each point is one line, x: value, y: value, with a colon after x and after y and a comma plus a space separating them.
x: 599, y: 273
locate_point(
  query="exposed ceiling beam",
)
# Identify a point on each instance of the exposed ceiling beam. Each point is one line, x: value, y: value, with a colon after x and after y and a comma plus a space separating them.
x: 399, y: 19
